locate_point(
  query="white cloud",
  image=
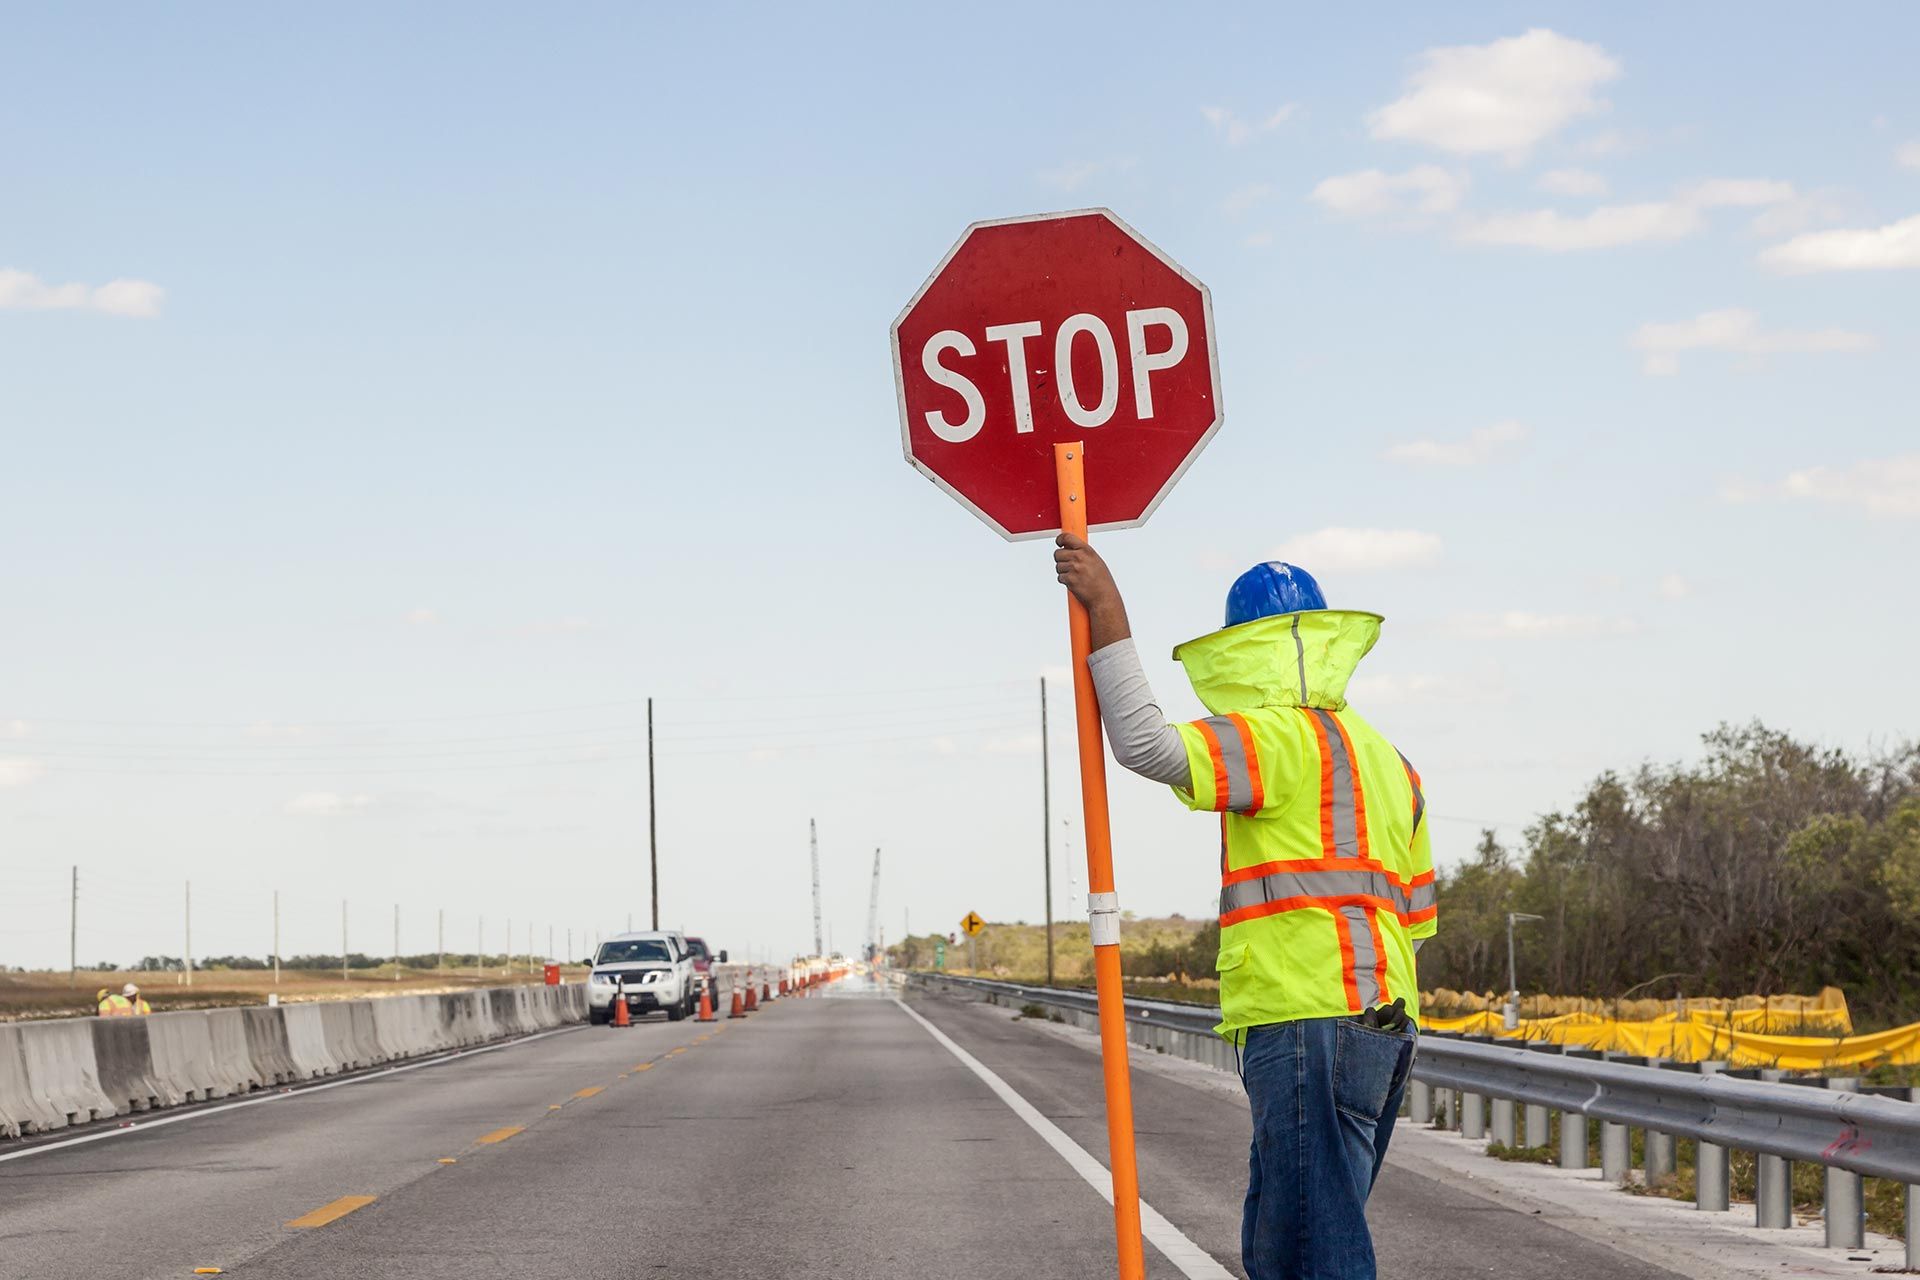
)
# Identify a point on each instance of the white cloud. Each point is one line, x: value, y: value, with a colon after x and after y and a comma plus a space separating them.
x: 1479, y: 446
x: 422, y: 617
x: 327, y: 804
x: 1738, y: 331
x: 1572, y: 182
x: 18, y: 771
x: 1237, y: 131
x: 1907, y: 155
x: 1879, y: 487
x: 1337, y: 550
x: 24, y: 291
x: 17, y: 728
x: 1520, y: 625
x: 1674, y: 587
x: 1610, y: 226
x: 1799, y: 213
x: 1893, y: 247
x: 1500, y: 97
x: 1427, y: 188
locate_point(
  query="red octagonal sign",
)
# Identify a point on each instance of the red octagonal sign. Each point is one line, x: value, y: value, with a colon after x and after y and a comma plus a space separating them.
x: 1060, y: 327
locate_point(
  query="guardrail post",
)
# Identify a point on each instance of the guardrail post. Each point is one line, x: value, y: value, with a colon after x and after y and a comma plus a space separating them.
x: 1419, y: 1102
x: 1773, y: 1180
x: 1503, y: 1123
x: 1844, y: 1209
x: 1450, y: 1109
x: 1536, y: 1126
x: 1573, y: 1140
x: 1712, y: 1165
x: 1656, y: 1148
x: 1473, y: 1121
x: 1616, y: 1151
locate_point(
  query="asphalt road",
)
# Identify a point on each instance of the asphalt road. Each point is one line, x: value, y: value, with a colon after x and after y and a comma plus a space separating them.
x: 822, y: 1137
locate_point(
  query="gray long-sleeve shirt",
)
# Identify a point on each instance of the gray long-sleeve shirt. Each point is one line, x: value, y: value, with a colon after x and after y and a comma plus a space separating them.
x: 1137, y: 730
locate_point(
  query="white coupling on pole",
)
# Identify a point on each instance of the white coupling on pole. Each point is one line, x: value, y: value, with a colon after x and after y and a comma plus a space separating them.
x: 1103, y: 918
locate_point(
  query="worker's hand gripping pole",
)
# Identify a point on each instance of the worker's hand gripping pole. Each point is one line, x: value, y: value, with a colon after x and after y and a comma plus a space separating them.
x: 1102, y: 903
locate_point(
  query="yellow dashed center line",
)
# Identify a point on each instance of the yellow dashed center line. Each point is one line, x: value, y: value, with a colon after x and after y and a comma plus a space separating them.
x: 589, y: 1091
x: 680, y: 1050
x: 645, y: 1066
x: 331, y: 1212
x: 501, y: 1135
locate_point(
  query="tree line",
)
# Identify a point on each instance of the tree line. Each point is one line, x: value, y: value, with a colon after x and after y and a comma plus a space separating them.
x: 1770, y: 866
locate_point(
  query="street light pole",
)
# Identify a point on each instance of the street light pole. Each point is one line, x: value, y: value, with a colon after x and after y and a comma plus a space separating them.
x: 1512, y: 1015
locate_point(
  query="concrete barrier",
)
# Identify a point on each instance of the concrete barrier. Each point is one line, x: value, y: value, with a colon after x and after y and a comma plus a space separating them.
x: 62, y: 1073
x: 21, y: 1110
x: 336, y: 1022
x: 267, y: 1046
x: 124, y: 1062
x: 72, y: 1070
x: 183, y: 1063
x: 232, y: 1062
x: 307, y: 1042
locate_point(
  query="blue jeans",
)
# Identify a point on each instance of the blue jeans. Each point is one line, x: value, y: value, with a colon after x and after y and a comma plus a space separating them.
x: 1324, y: 1092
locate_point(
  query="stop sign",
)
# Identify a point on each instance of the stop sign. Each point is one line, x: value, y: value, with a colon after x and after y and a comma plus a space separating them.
x: 1058, y: 327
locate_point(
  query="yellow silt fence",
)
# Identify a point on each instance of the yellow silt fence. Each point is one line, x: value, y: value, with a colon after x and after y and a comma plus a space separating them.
x: 1738, y: 1036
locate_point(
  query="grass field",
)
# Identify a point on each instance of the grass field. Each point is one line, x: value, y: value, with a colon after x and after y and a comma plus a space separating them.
x: 55, y: 995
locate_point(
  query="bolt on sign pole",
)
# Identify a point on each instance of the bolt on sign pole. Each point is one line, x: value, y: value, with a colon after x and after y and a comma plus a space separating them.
x: 1103, y: 904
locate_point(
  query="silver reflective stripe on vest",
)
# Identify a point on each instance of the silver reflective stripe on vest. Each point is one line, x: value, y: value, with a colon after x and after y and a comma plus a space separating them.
x: 1304, y: 884
x: 1233, y: 758
x: 1300, y: 659
x: 1346, y: 843
x: 1365, y: 958
x: 1282, y: 885
x: 1419, y: 798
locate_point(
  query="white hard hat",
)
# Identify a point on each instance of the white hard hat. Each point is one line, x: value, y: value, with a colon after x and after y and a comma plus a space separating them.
x: 130, y: 990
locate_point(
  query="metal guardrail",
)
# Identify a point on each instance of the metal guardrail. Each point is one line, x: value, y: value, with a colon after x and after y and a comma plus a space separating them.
x: 1874, y: 1136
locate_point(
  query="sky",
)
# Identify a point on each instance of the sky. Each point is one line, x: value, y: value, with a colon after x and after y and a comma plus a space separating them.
x: 393, y: 399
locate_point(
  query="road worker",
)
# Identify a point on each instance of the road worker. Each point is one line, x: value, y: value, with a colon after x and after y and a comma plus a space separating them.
x: 1326, y: 890
x: 107, y: 1004
x: 135, y: 1005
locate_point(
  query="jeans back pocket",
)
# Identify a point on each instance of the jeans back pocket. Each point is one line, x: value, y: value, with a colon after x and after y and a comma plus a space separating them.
x: 1366, y: 1062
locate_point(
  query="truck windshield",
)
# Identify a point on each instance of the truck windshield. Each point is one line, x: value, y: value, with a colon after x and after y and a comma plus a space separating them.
x: 630, y: 950
x: 698, y: 949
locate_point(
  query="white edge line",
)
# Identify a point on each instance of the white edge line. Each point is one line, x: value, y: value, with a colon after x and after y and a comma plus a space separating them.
x: 1191, y: 1260
x: 196, y: 1113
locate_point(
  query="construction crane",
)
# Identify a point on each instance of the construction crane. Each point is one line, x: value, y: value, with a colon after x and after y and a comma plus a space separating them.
x: 813, y: 839
x: 873, y: 914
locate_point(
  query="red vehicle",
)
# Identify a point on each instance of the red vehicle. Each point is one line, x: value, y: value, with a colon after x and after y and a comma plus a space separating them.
x: 703, y: 962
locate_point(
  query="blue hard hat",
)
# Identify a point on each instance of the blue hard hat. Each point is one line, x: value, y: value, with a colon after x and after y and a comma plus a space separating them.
x: 1272, y: 588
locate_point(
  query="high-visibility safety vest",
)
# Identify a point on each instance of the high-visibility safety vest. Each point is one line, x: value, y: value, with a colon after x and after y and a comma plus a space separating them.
x: 116, y: 1007
x: 1326, y: 877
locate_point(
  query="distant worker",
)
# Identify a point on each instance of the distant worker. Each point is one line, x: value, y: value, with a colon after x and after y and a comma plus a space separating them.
x: 125, y: 1005
x: 1326, y: 890
x: 107, y: 1004
x: 135, y: 1005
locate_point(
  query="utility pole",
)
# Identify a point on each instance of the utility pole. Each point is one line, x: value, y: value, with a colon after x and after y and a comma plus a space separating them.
x: 1512, y: 1018
x: 276, y: 938
x: 343, y: 940
x: 529, y: 956
x: 569, y: 944
x: 73, y: 933
x: 873, y: 913
x: 507, y: 971
x: 187, y: 959
x: 1046, y: 823
x: 550, y: 955
x: 440, y: 940
x: 813, y: 841
x: 396, y: 942
x: 653, y: 824
x: 479, y: 945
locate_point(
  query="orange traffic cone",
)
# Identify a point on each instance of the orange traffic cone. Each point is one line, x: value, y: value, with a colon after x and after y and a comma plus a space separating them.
x: 621, y: 1018
x: 783, y: 985
x: 752, y: 1004
x: 766, y: 992
x: 736, y: 1011
x: 706, y: 1003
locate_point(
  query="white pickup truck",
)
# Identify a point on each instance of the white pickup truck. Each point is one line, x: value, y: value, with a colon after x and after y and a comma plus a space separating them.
x: 653, y: 969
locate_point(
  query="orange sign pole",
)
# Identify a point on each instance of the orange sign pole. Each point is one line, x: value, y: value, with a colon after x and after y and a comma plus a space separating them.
x: 1102, y: 903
